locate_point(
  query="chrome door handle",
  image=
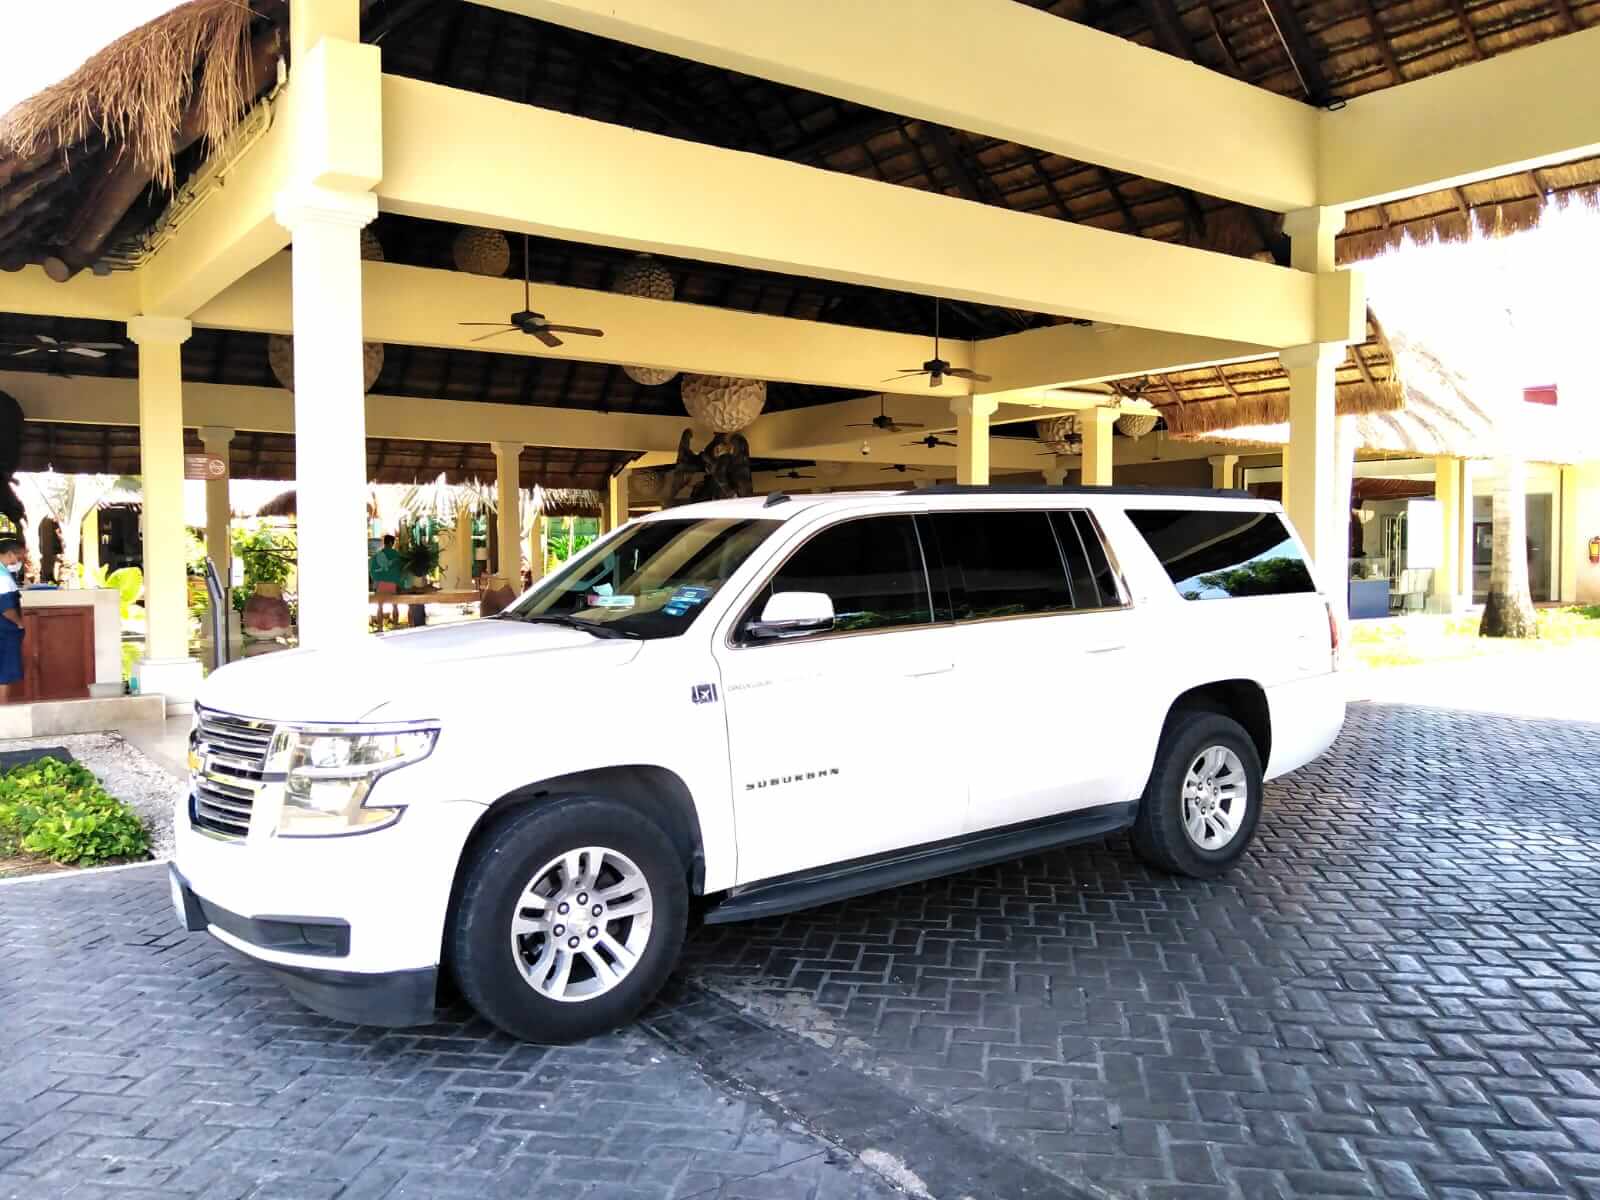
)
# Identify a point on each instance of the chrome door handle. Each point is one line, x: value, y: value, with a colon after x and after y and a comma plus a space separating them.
x: 1108, y: 648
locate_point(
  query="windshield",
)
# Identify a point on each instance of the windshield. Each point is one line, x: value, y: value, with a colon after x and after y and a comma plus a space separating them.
x: 651, y: 581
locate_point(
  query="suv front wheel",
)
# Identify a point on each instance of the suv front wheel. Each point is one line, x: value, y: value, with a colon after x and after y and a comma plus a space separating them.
x: 1200, y: 809
x: 570, y: 919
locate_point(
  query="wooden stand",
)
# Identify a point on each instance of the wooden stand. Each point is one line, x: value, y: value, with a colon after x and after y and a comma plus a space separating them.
x: 57, y: 656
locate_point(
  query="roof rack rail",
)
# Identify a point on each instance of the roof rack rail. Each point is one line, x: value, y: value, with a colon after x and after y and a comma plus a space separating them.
x: 1074, y: 489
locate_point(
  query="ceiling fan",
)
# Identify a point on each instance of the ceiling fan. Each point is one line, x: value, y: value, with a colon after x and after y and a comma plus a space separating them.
x: 792, y: 474
x: 933, y: 441
x: 903, y: 469
x: 529, y: 322
x: 56, y: 347
x: 885, y: 422
x: 937, y: 368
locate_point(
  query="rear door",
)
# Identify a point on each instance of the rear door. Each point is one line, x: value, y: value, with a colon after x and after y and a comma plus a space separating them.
x: 837, y: 740
x: 1044, y: 661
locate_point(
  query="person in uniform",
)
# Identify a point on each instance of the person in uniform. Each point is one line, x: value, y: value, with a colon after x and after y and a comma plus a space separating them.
x: 11, y: 553
x: 388, y: 573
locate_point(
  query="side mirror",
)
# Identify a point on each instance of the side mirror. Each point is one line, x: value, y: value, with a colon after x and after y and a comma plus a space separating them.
x: 792, y: 614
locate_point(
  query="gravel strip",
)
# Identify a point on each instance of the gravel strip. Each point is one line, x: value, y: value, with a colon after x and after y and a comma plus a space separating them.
x: 127, y: 774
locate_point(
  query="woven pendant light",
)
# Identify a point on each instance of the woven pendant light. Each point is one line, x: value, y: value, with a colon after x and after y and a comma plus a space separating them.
x: 280, y: 349
x: 648, y: 279
x: 1136, y: 425
x: 722, y: 403
x: 481, y: 252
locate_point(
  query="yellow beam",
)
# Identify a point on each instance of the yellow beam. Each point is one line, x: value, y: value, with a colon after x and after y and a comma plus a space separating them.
x: 1532, y: 107
x: 997, y: 68
x: 1063, y: 355
x: 649, y: 333
x: 30, y: 291
x: 86, y: 401
x: 444, y: 158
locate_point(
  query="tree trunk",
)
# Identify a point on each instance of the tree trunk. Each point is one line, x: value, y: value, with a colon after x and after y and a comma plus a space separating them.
x: 1509, y: 609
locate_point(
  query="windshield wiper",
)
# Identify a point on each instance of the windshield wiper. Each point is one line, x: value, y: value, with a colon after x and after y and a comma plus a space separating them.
x: 572, y: 622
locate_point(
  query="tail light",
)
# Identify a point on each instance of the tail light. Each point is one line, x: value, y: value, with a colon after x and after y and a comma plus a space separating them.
x: 1333, y: 635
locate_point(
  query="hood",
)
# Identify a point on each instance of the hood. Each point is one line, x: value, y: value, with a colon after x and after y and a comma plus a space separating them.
x: 402, y: 676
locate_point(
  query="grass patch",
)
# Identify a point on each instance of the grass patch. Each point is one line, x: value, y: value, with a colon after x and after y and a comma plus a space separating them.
x: 1413, y: 640
x: 53, y: 811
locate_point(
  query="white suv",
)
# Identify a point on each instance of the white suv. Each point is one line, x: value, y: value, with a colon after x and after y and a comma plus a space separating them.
x: 742, y: 708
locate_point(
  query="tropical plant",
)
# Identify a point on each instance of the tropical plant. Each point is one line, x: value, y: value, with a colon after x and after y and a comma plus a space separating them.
x: 128, y: 582
x: 268, y: 556
x: 59, y: 811
x: 69, y: 499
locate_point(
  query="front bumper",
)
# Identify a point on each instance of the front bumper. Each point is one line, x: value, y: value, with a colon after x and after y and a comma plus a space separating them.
x: 351, y: 925
x: 388, y: 998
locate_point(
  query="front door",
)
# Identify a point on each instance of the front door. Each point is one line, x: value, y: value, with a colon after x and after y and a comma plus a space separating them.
x: 836, y: 739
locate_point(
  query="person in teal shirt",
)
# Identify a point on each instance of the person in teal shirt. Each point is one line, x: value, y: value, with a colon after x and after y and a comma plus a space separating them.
x: 388, y: 573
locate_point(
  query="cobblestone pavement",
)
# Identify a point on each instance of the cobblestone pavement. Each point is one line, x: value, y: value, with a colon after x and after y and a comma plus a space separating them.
x: 1396, y: 995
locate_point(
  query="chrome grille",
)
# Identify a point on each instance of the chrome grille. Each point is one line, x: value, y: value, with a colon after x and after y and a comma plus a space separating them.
x: 231, y: 770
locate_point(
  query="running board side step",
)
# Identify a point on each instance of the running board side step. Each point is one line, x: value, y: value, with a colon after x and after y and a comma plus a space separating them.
x: 844, y: 881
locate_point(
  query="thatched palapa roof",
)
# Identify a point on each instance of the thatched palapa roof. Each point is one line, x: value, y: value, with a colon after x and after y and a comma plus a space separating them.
x: 76, y: 159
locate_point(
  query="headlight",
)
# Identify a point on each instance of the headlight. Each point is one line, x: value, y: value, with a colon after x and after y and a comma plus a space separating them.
x: 330, y: 773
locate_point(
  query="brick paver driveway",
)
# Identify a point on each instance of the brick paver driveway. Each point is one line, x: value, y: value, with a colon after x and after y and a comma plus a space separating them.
x: 1398, y: 994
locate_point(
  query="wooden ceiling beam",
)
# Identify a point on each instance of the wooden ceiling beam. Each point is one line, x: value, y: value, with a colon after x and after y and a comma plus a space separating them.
x: 1303, y: 56
x: 1169, y: 30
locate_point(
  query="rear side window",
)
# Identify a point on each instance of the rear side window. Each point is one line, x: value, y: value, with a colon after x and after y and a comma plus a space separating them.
x: 1213, y: 554
x: 1001, y: 564
x: 870, y: 568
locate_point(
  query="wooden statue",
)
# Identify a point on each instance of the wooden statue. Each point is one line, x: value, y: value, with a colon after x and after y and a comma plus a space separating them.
x: 723, y: 467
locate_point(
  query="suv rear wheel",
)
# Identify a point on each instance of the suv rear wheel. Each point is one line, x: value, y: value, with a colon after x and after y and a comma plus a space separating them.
x: 1200, y: 809
x: 570, y: 919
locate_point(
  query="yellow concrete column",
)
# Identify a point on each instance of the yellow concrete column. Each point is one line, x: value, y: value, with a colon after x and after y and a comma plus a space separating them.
x: 1309, y: 460
x: 1223, y: 467
x: 89, y: 546
x: 166, y: 667
x: 616, y: 505
x: 508, y: 510
x: 1447, y: 493
x: 330, y: 415
x: 1099, y: 426
x: 219, y: 515
x: 312, y: 20
x: 1311, y: 238
x: 1465, y: 586
x: 1572, y: 552
x: 535, y: 547
x: 972, y: 415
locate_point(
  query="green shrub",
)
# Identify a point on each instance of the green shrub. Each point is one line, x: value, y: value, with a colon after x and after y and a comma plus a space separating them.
x: 59, y: 811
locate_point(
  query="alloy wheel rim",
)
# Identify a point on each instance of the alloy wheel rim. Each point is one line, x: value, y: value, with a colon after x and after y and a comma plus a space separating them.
x: 581, y: 924
x: 1215, y: 794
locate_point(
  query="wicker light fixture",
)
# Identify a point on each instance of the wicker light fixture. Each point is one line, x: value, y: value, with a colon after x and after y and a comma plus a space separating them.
x: 481, y: 251
x: 280, y: 349
x: 722, y: 403
x: 646, y: 278
x: 1062, y: 434
x: 1136, y: 425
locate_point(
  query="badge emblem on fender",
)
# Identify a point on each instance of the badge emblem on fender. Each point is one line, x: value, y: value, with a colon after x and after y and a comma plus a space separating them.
x: 703, y: 693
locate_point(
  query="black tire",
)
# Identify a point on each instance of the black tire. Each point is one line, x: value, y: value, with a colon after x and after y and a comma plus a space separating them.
x: 502, y: 865
x: 1159, y: 835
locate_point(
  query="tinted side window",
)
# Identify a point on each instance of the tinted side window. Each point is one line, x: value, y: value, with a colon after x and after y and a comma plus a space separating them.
x: 1105, y: 577
x: 1085, y: 591
x: 1212, y: 554
x: 871, y: 569
x: 1001, y: 564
